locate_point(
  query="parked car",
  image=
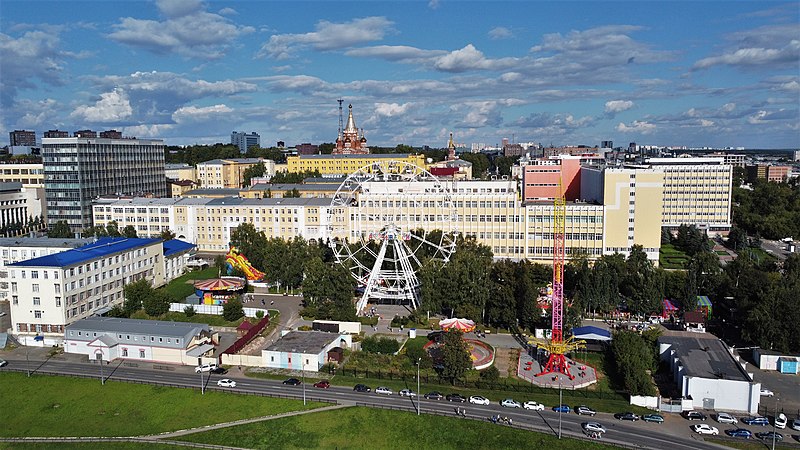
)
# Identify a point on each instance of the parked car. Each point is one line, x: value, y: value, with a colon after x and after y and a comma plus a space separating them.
x: 626, y: 416
x: 407, y: 393
x: 796, y: 424
x: 3, y: 363
x: 756, y: 420
x: 478, y: 400
x: 361, y: 388
x: 770, y: 435
x: 226, y: 382
x: 435, y: 395
x: 532, y: 405
x: 593, y: 427
x: 767, y: 393
x: 219, y: 371
x: 292, y: 382
x: 780, y: 421
x: 383, y: 390
x: 456, y: 398
x: 704, y: 428
x: 726, y: 418
x: 739, y: 432
x: 565, y: 409
x: 510, y: 403
x: 694, y: 415
x: 205, y: 368
x: 585, y: 411
x: 322, y: 384
x: 655, y: 418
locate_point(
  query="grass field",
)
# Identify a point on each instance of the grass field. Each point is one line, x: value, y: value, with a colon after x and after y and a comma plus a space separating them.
x: 360, y: 428
x: 670, y: 257
x: 180, y: 288
x: 752, y: 444
x: 88, y: 446
x: 59, y: 406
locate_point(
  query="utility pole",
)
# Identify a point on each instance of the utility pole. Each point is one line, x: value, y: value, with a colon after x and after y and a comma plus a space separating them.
x: 560, y: 402
x: 774, y: 427
x: 419, y: 394
x: 304, y: 381
x: 27, y: 362
x: 202, y: 386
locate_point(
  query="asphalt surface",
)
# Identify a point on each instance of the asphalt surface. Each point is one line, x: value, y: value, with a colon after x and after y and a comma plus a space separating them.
x: 638, y: 434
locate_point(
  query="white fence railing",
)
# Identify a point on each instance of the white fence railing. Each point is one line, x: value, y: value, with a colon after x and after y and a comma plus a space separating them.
x: 215, y: 310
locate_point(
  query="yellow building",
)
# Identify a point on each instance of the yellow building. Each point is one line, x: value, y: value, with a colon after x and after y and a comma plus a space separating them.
x: 309, y: 190
x: 346, y: 164
x: 229, y: 173
x: 180, y: 171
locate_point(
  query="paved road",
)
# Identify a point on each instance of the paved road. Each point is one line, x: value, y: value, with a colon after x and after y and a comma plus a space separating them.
x: 638, y: 434
x: 774, y: 248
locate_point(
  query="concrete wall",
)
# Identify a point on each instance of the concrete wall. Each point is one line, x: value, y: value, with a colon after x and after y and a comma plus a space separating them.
x: 728, y: 395
x: 243, y: 360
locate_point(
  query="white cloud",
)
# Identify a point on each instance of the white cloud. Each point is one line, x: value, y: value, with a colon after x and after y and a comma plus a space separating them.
x: 200, y: 114
x: 398, y: 53
x: 706, y: 123
x: 391, y: 109
x: 34, y: 56
x: 227, y: 12
x: 113, y: 106
x: 189, y: 30
x: 728, y: 107
x: 470, y: 58
x: 617, y: 106
x: 37, y: 113
x: 433, y: 4
x: 500, y: 33
x: 147, y: 131
x: 637, y: 126
x: 768, y: 47
x: 328, y: 36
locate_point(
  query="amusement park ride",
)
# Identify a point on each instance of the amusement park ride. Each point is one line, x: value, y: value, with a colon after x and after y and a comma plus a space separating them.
x: 558, y: 346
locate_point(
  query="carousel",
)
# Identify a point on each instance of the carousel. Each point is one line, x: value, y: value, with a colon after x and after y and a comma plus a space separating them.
x: 217, y: 291
x: 481, y: 353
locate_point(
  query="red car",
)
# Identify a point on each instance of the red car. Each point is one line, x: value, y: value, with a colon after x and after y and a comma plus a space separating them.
x: 323, y: 384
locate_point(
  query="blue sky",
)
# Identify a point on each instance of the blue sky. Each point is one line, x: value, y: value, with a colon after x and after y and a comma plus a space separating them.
x: 719, y: 73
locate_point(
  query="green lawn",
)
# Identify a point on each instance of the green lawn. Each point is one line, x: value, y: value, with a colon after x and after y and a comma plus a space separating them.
x: 89, y: 446
x: 671, y: 258
x: 360, y: 428
x: 180, y: 287
x: 752, y: 444
x: 60, y: 406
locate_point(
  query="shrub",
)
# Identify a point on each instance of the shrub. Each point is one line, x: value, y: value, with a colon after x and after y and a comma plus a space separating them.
x: 189, y: 311
x: 260, y: 314
x: 490, y: 374
x: 233, y: 310
x: 383, y: 345
x: 304, y: 328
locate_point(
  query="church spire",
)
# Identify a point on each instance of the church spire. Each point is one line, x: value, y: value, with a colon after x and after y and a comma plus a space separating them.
x: 351, y: 123
x: 451, y: 149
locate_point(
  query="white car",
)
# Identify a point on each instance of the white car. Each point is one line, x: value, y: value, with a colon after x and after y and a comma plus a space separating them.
x: 533, y: 406
x: 205, y: 368
x: 478, y: 400
x: 510, y: 403
x: 383, y: 390
x: 796, y: 424
x: 780, y: 421
x: 767, y: 393
x: 703, y: 428
x: 726, y: 418
x: 407, y: 393
x: 593, y: 427
x: 226, y: 382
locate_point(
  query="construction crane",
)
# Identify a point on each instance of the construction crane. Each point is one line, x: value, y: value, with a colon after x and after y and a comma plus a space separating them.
x: 557, y: 346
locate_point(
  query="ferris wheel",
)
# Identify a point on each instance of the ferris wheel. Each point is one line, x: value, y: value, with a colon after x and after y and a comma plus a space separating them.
x: 386, y: 220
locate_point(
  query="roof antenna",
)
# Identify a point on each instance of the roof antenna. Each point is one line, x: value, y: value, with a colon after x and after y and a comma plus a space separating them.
x: 341, y: 120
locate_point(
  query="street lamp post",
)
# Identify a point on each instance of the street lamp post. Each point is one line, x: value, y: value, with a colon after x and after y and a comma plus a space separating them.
x: 303, y: 369
x: 202, y: 384
x: 419, y: 398
x: 560, y: 402
x: 27, y: 362
x: 774, y: 425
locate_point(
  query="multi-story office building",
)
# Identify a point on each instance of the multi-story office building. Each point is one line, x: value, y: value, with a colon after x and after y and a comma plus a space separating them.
x: 52, y: 291
x: 229, y: 173
x: 56, y: 134
x: 730, y: 158
x: 546, y: 179
x: 22, y: 138
x: 19, y: 205
x: 20, y: 249
x: 245, y: 140
x: 77, y: 170
x: 346, y: 164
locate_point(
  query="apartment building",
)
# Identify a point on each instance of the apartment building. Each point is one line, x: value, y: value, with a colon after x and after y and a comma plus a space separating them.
x: 31, y: 175
x: 18, y: 205
x: 20, y: 249
x: 346, y: 164
x: 546, y: 179
x: 180, y: 171
x: 52, y: 291
x: 79, y: 169
x: 229, y: 173
x: 769, y: 172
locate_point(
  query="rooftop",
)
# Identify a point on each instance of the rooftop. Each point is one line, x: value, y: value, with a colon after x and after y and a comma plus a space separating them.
x: 10, y: 186
x: 146, y: 327
x: 214, y: 191
x: 705, y: 358
x: 44, y: 242
x: 101, y: 248
x: 174, y: 246
x: 299, y: 187
x: 231, y: 161
x: 362, y: 156
x: 237, y: 201
x: 303, y: 342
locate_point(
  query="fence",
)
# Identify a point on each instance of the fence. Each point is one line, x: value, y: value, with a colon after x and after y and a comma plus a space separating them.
x: 244, y: 340
x: 214, y: 310
x: 243, y: 360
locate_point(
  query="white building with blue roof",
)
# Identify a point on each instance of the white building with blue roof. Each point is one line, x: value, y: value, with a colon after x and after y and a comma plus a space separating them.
x: 49, y: 292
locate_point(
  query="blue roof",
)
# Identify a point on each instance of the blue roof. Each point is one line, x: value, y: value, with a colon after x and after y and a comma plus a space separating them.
x: 101, y: 248
x: 590, y: 332
x: 173, y: 246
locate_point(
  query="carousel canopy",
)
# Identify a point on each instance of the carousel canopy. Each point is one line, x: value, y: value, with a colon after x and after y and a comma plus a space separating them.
x: 591, y: 333
x: 220, y: 284
x: 464, y: 325
x: 669, y: 306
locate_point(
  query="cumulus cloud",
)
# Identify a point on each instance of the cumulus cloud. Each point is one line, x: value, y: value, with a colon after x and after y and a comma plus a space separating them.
x: 33, y: 57
x: 617, y: 106
x: 768, y: 47
x: 396, y: 53
x: 37, y: 113
x: 113, y: 106
x: 637, y: 126
x: 188, y: 30
x: 763, y: 116
x: 391, y: 109
x: 547, y: 124
x: 470, y: 58
x: 500, y: 33
x: 200, y: 114
x: 147, y: 131
x: 328, y: 36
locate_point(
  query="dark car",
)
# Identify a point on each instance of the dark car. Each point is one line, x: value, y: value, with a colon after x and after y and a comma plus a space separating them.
x: 626, y: 416
x: 739, y: 432
x: 758, y: 420
x: 322, y: 384
x: 655, y: 418
x: 694, y: 415
x: 292, y: 382
x: 456, y: 398
x: 361, y: 388
x: 769, y: 435
x: 434, y: 395
x: 219, y: 371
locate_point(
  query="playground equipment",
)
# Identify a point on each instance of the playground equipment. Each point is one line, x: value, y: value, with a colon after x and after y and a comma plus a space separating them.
x: 384, y: 248
x: 234, y: 259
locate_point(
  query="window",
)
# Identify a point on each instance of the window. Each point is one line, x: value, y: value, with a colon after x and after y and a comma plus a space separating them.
x: 58, y: 301
x: 15, y: 299
x: 37, y: 301
x: 37, y: 314
x: 34, y: 274
x: 141, y: 354
x: 35, y: 287
x: 124, y: 352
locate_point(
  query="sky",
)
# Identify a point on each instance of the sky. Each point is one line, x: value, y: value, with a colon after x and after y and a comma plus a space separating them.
x: 716, y: 73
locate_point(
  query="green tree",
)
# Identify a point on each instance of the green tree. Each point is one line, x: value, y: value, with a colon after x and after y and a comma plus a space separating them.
x: 294, y: 193
x: 129, y: 231
x: 167, y: 235
x: 60, y: 229
x: 112, y: 229
x: 221, y: 264
x: 135, y: 293
x: 328, y: 288
x: 490, y: 374
x: 189, y: 311
x: 456, y: 360
x: 157, y: 303
x: 233, y: 310
x: 480, y: 163
x: 633, y: 358
x: 251, y: 172
x: 737, y: 239
x: 326, y: 148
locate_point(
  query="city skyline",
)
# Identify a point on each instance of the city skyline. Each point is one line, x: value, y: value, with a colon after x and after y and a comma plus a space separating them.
x: 665, y: 73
